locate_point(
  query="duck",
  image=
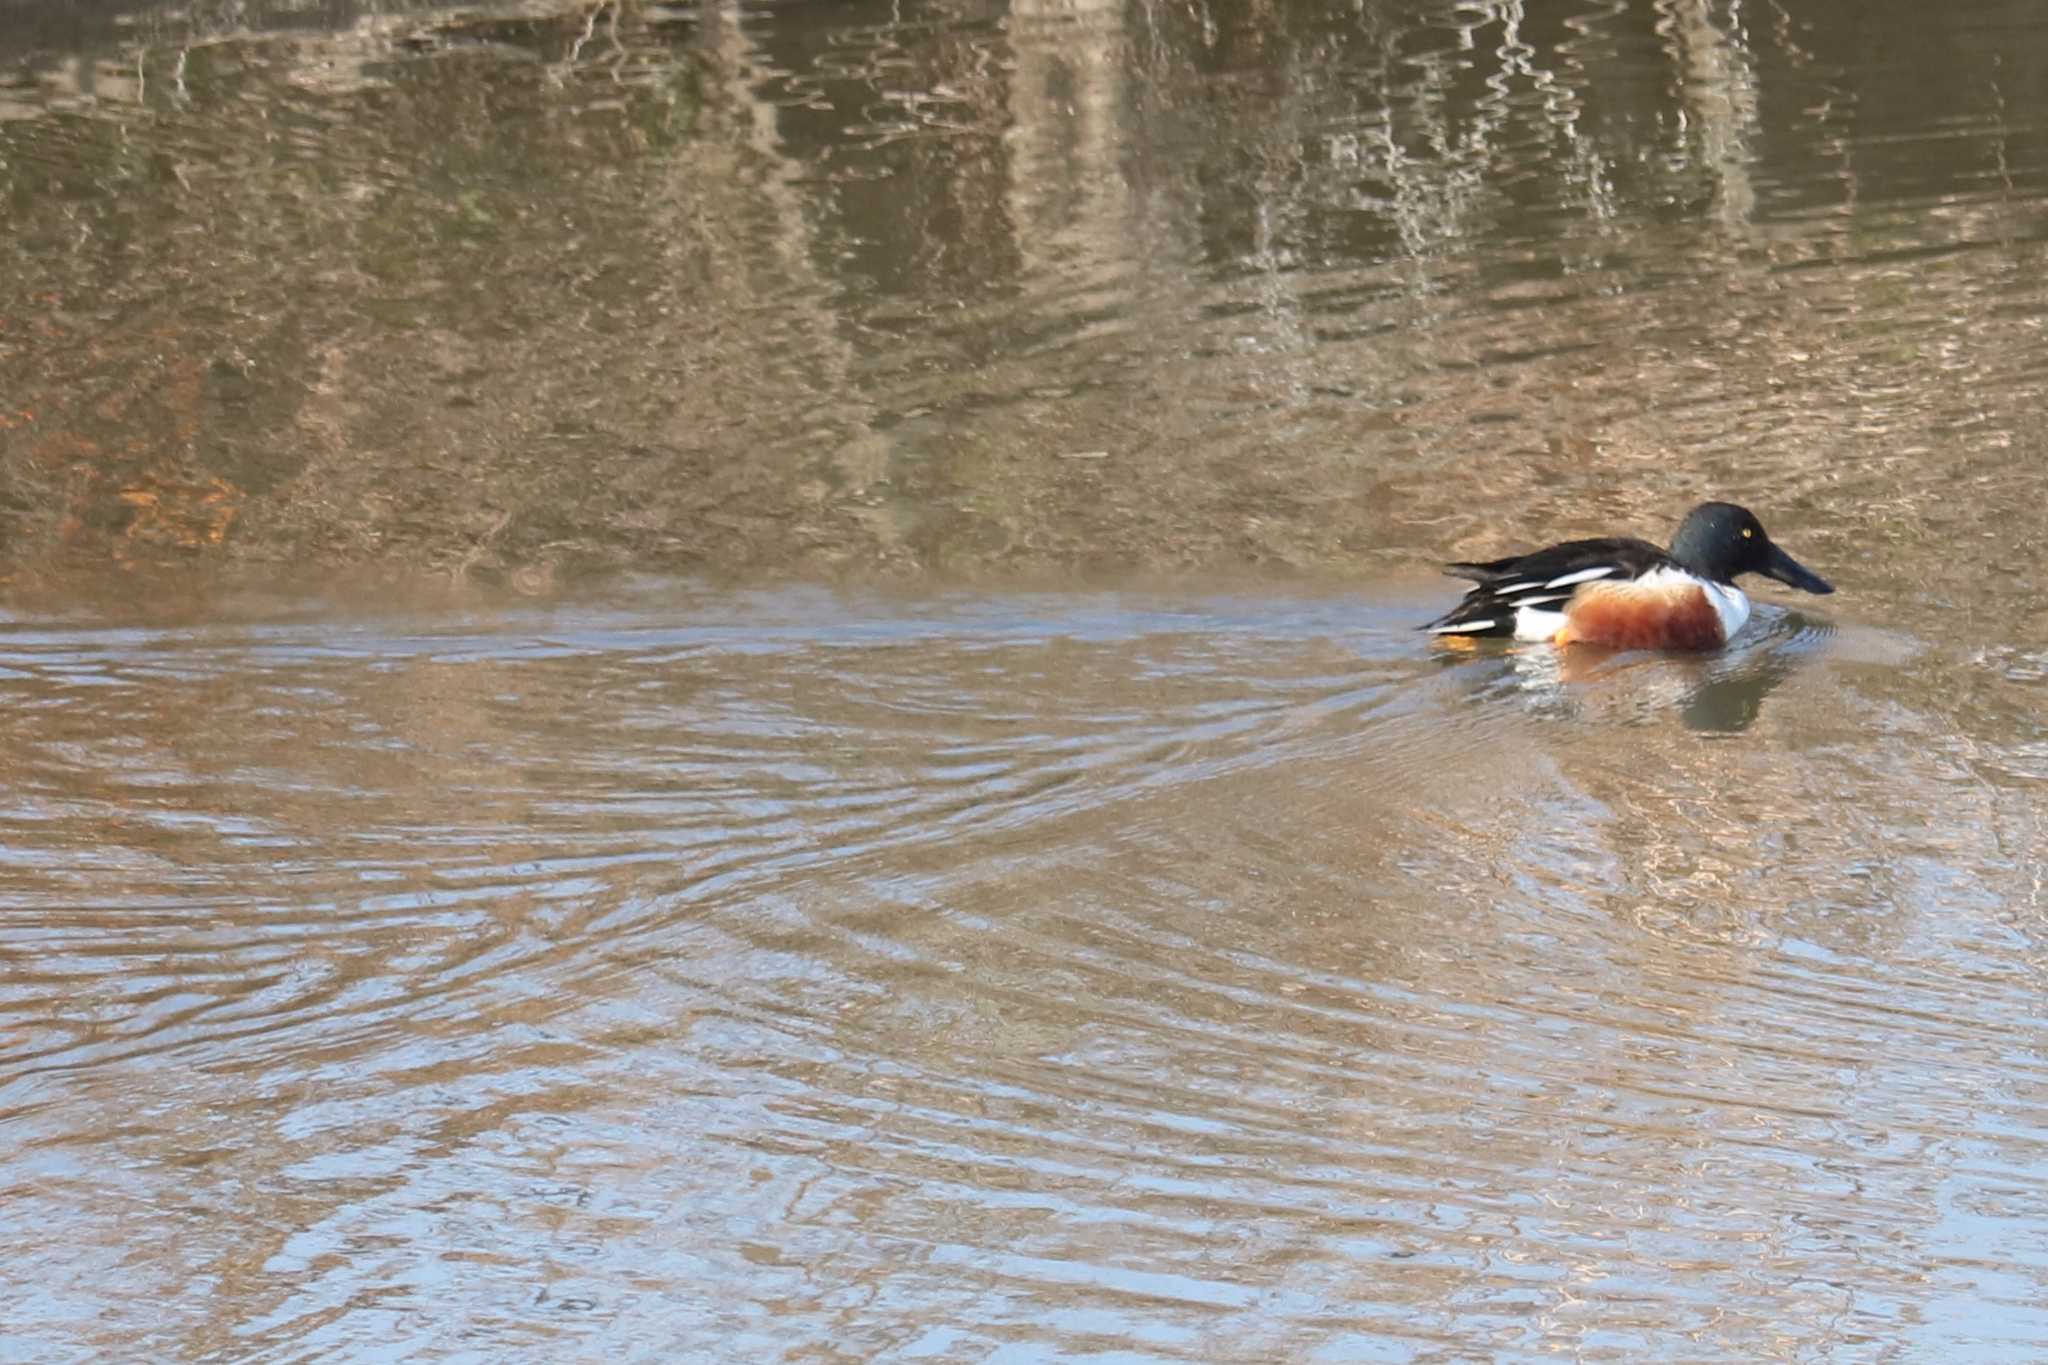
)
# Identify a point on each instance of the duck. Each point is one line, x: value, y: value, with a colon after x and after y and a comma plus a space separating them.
x: 1623, y: 593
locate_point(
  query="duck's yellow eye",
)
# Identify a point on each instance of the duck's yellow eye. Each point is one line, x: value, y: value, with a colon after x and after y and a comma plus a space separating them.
x: 1747, y: 533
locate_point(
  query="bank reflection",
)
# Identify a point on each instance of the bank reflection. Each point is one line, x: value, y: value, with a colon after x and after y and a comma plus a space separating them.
x: 702, y: 266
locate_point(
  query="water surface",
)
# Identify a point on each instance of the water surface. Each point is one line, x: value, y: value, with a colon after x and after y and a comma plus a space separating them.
x: 738, y: 682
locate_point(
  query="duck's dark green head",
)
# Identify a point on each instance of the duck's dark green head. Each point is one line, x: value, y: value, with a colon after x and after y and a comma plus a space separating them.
x: 1719, y: 540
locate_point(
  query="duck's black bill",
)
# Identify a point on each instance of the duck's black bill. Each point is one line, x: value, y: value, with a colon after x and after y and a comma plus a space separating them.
x: 1791, y: 572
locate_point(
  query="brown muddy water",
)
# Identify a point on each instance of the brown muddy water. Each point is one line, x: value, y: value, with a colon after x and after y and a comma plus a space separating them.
x: 738, y: 682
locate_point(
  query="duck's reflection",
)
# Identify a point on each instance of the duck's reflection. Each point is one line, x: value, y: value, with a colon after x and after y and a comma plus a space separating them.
x: 1718, y: 693
x: 1729, y: 703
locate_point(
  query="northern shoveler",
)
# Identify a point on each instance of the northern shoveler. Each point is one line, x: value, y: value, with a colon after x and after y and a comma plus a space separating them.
x: 1627, y: 593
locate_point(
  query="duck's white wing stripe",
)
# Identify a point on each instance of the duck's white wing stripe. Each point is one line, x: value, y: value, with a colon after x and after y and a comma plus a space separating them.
x: 1583, y: 576
x: 1462, y: 627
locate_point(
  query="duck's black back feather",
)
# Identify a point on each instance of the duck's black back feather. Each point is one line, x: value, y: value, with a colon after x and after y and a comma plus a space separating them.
x: 1506, y: 586
x: 1633, y: 557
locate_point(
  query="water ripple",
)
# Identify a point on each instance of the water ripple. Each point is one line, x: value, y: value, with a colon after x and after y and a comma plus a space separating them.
x: 1162, y: 970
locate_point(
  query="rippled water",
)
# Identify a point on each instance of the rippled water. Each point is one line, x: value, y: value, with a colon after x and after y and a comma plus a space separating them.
x: 738, y: 681
x: 1195, y: 978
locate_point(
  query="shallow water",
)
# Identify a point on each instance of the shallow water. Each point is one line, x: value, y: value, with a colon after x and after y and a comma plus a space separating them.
x: 739, y: 682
